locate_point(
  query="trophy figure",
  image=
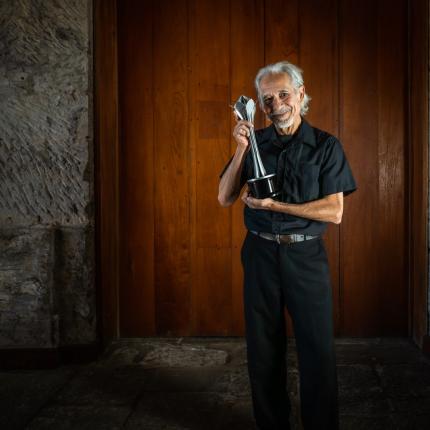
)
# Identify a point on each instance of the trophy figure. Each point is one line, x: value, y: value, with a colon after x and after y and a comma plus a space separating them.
x: 262, y: 185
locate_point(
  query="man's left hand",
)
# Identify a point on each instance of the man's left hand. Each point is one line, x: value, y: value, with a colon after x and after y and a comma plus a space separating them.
x: 254, y: 203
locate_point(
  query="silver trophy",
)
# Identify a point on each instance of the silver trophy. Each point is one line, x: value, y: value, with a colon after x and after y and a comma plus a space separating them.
x: 262, y: 185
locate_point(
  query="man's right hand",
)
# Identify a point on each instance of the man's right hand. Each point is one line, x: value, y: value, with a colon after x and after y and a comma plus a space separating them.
x: 241, y: 132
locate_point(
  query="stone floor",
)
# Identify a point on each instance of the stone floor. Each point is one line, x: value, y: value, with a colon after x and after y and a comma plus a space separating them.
x: 202, y: 384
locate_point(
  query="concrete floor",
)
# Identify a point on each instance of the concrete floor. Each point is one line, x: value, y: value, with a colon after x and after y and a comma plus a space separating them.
x: 202, y: 384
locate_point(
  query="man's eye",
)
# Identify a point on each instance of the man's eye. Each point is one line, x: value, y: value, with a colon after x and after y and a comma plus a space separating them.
x: 268, y: 101
x: 283, y: 94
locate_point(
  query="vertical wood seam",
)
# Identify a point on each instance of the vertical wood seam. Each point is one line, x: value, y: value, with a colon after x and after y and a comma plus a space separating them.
x: 155, y: 296
x: 339, y: 38
x: 408, y: 185
x: 118, y: 225
x: 191, y: 280
x: 230, y: 212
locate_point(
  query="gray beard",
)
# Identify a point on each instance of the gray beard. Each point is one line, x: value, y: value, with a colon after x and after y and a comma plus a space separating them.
x: 284, y: 124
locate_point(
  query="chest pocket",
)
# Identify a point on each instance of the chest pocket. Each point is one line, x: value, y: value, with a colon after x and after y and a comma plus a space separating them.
x: 308, y: 181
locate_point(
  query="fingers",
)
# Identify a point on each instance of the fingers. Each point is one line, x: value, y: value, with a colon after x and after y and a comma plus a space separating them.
x: 245, y: 123
x: 242, y: 129
x: 245, y: 194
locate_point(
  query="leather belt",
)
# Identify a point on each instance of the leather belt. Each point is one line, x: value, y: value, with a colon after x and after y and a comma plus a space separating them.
x: 284, y: 238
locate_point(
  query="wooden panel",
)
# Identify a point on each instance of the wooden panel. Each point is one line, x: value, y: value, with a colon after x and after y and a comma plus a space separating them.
x: 245, y: 15
x: 392, y: 113
x: 182, y: 64
x: 212, y: 31
x: 318, y: 27
x: 192, y: 57
x: 171, y: 191
x: 137, y: 294
x: 418, y: 166
x: 373, y: 130
x: 106, y: 167
x: 282, y: 43
x: 211, y: 65
x: 213, y: 296
x: 281, y: 31
x: 359, y: 133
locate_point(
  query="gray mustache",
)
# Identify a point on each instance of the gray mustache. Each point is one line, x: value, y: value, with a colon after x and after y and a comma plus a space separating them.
x: 279, y: 113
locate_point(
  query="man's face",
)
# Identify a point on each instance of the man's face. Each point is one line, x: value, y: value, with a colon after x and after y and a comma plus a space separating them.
x: 281, y: 101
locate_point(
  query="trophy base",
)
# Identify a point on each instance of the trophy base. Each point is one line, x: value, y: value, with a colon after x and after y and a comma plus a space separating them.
x: 264, y: 187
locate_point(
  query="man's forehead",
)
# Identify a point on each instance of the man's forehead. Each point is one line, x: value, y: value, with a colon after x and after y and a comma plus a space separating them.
x: 272, y: 82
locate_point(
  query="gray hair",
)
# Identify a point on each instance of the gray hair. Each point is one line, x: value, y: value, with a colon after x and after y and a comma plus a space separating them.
x: 295, y: 74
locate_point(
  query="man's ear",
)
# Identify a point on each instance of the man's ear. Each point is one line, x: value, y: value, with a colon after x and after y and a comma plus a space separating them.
x: 302, y: 92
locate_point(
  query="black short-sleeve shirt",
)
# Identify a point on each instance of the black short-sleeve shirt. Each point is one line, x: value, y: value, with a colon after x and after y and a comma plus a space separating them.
x: 310, y: 164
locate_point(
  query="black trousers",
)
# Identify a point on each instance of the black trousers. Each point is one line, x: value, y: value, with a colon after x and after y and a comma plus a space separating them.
x: 296, y: 276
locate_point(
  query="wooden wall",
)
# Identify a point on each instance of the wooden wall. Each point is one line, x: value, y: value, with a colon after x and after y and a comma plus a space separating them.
x: 180, y: 266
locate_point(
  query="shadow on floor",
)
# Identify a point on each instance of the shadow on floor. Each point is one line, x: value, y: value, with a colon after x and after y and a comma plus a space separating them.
x: 202, y: 384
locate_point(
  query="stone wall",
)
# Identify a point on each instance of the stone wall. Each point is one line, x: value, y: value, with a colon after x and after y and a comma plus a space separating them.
x: 47, y: 295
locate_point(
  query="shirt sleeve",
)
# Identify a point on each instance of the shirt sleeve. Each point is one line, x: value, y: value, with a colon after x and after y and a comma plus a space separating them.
x: 336, y: 174
x: 244, y: 174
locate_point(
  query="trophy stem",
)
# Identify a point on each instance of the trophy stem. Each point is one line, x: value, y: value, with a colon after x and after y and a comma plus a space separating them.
x: 259, y: 169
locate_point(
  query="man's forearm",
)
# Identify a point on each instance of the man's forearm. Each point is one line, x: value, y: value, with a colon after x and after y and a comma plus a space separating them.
x: 229, y: 187
x: 326, y: 209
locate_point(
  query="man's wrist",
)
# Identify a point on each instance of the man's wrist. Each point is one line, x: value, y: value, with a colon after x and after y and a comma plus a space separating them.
x: 276, y: 206
x: 271, y: 205
x: 241, y: 151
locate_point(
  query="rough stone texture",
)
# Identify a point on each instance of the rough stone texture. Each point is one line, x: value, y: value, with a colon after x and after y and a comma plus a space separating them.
x: 81, y: 417
x: 386, y: 387
x: 23, y: 393
x: 74, y: 285
x: 46, y: 173
x: 180, y: 356
x: 44, y: 129
x: 172, y: 352
x: 27, y: 315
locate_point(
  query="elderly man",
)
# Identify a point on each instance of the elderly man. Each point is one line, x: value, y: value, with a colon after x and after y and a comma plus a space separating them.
x: 283, y: 254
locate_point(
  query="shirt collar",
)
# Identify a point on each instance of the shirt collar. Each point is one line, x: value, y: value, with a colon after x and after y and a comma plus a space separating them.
x: 304, y: 133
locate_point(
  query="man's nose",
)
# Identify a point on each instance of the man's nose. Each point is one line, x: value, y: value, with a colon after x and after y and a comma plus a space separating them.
x: 276, y: 102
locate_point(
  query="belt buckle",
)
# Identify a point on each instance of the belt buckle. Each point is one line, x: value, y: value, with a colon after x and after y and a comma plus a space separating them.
x: 288, y: 240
